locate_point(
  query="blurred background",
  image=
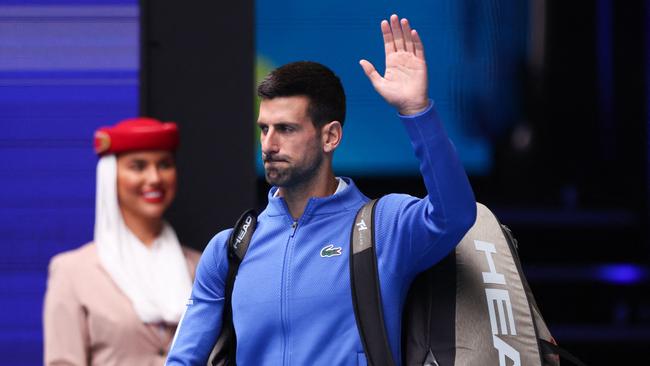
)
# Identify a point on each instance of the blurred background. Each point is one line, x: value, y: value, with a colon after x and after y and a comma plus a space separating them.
x: 546, y: 101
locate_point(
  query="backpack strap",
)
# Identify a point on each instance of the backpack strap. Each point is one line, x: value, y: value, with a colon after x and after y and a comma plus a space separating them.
x: 366, y: 293
x: 225, y: 348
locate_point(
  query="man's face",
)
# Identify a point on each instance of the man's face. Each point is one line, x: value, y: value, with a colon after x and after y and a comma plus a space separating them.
x: 291, y: 145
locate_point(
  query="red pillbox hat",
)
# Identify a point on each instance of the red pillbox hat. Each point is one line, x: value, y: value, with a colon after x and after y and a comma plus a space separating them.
x: 136, y: 134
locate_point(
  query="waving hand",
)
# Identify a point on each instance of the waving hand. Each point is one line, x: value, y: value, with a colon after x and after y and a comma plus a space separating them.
x: 404, y: 84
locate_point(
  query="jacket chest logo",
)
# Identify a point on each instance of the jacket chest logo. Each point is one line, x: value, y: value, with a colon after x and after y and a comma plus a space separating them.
x: 330, y: 251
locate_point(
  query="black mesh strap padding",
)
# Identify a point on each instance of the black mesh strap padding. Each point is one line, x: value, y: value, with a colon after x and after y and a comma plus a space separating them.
x: 366, y: 293
x: 223, y: 353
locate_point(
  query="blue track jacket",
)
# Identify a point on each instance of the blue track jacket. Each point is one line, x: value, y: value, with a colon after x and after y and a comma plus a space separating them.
x: 292, y: 302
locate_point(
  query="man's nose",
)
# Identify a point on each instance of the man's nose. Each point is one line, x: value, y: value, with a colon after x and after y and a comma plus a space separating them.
x: 269, y: 142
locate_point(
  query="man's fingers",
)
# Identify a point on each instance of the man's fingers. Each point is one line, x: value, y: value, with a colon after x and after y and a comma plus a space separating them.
x: 397, y: 32
x: 371, y: 72
x: 408, y: 39
x: 417, y: 44
x: 389, y: 43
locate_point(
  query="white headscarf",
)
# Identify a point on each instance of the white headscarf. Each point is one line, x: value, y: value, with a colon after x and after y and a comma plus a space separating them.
x: 156, y: 278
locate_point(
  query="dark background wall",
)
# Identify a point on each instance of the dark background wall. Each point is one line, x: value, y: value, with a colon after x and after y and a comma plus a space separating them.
x: 197, y: 69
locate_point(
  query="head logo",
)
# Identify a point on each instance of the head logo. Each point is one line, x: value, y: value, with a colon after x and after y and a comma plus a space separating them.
x: 330, y: 251
x: 243, y: 231
x: 498, y: 301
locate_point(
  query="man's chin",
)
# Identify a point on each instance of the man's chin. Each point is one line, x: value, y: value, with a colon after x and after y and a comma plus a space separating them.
x: 275, y: 179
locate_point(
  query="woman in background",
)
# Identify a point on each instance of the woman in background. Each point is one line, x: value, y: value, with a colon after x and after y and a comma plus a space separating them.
x: 118, y: 299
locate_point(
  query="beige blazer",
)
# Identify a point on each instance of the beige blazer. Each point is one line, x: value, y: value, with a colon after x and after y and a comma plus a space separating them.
x: 87, y: 320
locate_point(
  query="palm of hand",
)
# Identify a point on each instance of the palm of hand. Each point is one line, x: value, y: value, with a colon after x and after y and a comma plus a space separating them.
x: 404, y: 84
x: 405, y: 79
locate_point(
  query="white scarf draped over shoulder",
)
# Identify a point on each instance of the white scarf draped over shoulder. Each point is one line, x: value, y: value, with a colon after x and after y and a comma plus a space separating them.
x: 156, y: 278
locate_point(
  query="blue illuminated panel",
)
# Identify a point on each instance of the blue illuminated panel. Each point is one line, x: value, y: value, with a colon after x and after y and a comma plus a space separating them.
x: 66, y: 67
x: 475, y: 51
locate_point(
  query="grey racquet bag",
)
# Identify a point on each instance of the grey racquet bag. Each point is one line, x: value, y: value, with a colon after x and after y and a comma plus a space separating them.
x: 473, y: 308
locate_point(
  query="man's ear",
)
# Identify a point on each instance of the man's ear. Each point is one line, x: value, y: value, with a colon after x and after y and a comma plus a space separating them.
x: 331, y: 133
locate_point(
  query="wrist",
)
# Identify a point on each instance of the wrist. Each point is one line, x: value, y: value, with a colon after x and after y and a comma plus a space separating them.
x: 414, y: 108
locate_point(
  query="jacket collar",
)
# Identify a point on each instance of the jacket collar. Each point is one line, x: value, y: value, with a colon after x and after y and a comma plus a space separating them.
x: 348, y: 199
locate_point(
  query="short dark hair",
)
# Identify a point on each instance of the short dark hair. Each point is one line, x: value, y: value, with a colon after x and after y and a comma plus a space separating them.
x: 313, y: 80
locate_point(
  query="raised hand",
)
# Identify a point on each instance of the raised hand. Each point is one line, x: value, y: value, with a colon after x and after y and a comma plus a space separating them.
x: 404, y: 84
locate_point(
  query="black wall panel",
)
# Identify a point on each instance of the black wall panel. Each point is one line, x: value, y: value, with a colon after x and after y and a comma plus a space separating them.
x: 197, y: 70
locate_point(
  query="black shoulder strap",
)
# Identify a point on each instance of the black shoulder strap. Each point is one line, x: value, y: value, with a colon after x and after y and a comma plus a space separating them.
x: 244, y: 228
x: 366, y: 293
x: 224, y: 350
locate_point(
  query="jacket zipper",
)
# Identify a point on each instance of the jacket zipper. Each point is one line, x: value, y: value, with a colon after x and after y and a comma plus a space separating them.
x: 284, y: 291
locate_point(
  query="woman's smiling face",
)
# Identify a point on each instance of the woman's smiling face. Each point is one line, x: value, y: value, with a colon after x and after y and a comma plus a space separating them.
x: 146, y: 183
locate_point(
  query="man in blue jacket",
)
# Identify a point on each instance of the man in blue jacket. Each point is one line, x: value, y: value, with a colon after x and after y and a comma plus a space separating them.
x: 292, y: 300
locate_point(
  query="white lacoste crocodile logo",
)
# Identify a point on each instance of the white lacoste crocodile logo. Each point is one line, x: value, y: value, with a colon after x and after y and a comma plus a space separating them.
x: 330, y: 251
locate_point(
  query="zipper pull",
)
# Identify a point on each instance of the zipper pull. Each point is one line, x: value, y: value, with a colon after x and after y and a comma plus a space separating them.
x: 294, y: 226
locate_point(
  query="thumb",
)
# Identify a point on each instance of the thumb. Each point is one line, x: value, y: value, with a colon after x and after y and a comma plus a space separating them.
x: 371, y: 72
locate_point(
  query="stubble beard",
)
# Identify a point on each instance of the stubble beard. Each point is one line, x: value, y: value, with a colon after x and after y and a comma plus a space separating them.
x: 294, y: 176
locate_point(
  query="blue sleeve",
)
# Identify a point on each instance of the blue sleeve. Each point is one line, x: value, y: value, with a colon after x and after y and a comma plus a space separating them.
x: 201, y: 323
x: 413, y: 234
